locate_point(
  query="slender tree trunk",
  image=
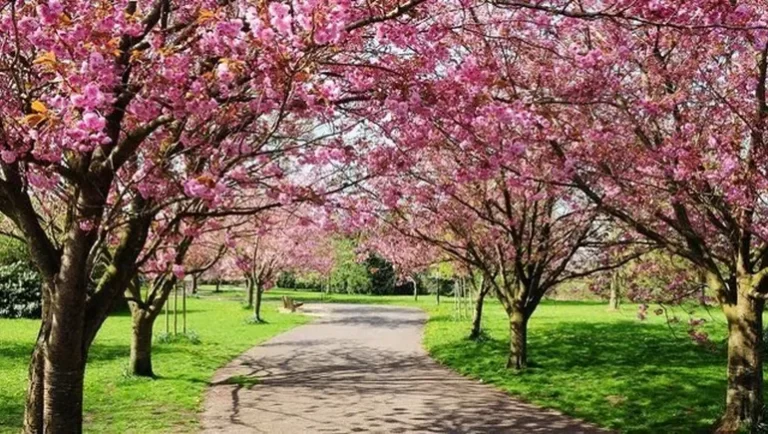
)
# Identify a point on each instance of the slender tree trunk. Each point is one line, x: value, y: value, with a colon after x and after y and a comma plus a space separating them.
x: 257, y: 305
x: 184, y: 313
x: 175, y: 309
x: 518, y: 340
x: 194, y: 284
x: 141, y: 344
x: 477, y: 318
x: 415, y: 290
x: 249, y: 288
x: 218, y: 285
x: 744, y: 397
x: 613, y: 303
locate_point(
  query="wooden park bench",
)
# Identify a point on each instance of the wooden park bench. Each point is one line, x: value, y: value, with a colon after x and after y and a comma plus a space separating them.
x: 290, y: 304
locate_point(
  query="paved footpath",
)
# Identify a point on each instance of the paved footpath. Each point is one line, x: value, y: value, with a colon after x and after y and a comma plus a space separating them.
x: 361, y: 369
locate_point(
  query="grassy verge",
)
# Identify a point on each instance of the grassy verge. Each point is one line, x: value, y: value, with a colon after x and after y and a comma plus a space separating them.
x: 118, y: 403
x: 604, y: 367
x: 608, y: 368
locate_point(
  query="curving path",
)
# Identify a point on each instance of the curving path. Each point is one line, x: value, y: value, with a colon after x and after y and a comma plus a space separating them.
x: 361, y: 369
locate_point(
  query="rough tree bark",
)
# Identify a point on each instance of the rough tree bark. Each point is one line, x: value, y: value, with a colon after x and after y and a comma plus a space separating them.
x: 33, y: 409
x: 518, y: 340
x: 141, y: 343
x: 744, y: 396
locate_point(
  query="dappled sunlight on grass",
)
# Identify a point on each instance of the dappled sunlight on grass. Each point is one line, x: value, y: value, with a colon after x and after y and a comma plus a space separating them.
x: 605, y: 367
x: 116, y: 402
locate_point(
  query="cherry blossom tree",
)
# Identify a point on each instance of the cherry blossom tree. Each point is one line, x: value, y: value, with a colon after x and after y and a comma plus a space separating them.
x: 675, y: 114
x: 113, y: 113
x: 656, y: 112
x: 408, y: 256
x: 284, y: 240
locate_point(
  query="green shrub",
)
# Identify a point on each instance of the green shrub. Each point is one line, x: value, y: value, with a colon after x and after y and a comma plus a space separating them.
x: 20, y: 291
x: 12, y: 251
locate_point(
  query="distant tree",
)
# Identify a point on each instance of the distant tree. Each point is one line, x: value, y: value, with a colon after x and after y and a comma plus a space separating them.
x: 381, y: 274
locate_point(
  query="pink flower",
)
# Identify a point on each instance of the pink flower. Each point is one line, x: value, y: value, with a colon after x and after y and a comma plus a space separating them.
x: 194, y: 188
x: 224, y: 74
x: 178, y: 271
x: 280, y: 18
x: 93, y: 121
x: 9, y: 157
x: 86, y: 225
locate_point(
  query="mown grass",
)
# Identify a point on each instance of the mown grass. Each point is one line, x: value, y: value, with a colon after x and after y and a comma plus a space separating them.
x: 605, y: 367
x: 118, y: 403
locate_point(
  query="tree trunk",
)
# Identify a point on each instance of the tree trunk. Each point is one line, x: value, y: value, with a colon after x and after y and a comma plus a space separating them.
x: 415, y: 290
x: 744, y: 398
x: 249, y: 288
x: 218, y: 285
x: 33, y: 410
x: 257, y: 306
x: 141, y: 344
x: 64, y: 367
x: 703, y: 289
x: 63, y: 391
x: 194, y: 284
x: 477, y: 318
x: 518, y: 340
x: 613, y: 303
x: 54, y: 401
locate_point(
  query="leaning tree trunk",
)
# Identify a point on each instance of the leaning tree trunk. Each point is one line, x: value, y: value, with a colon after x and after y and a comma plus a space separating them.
x: 615, y: 297
x: 141, y: 343
x: 518, y: 340
x: 477, y: 318
x: 257, y: 305
x: 744, y: 397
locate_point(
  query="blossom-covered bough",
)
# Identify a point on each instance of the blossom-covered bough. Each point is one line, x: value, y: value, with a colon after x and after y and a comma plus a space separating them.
x: 123, y: 121
x: 285, y: 240
x: 520, y: 129
x: 654, y: 111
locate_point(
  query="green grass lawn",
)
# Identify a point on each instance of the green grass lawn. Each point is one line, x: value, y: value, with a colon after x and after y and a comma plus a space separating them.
x: 605, y: 367
x: 119, y: 403
x: 608, y: 368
